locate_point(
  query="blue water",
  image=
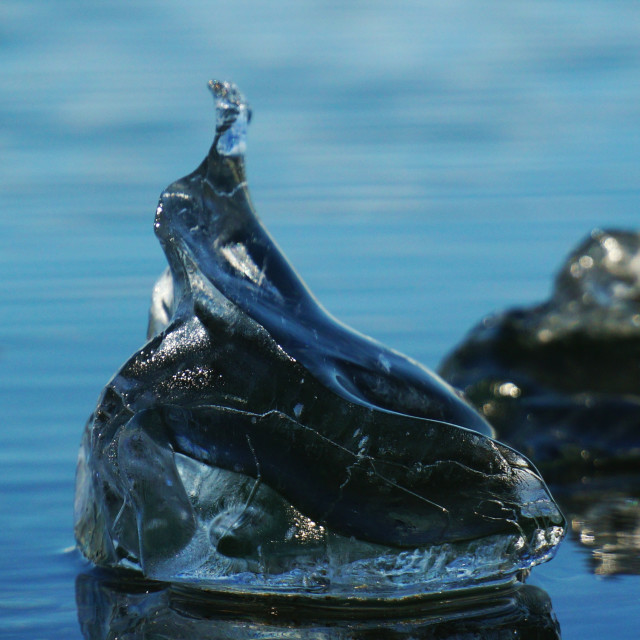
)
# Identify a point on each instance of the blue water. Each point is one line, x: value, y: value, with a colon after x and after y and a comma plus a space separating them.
x: 421, y: 163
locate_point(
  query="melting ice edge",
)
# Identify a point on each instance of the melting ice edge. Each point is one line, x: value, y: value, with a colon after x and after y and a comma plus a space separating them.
x: 256, y: 444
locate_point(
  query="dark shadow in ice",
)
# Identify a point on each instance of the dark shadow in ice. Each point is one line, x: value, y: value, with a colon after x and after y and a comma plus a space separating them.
x: 256, y: 443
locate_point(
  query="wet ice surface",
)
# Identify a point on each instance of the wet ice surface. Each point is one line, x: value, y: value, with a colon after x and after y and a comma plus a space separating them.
x: 255, y: 444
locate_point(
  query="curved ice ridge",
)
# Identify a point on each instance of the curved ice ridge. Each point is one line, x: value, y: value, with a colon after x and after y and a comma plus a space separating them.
x: 254, y: 443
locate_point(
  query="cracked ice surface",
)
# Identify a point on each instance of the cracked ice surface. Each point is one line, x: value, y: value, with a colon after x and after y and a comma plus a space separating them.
x: 256, y: 444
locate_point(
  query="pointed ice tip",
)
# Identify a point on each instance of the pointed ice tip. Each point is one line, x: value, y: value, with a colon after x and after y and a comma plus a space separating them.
x: 232, y: 116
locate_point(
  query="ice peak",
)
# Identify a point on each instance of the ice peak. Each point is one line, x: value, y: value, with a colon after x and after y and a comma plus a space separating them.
x: 233, y: 114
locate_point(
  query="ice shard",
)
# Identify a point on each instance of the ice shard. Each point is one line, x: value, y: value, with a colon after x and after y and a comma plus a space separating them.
x: 255, y: 444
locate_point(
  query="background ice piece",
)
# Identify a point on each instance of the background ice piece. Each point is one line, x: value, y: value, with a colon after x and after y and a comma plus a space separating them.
x: 161, y: 308
x: 559, y: 380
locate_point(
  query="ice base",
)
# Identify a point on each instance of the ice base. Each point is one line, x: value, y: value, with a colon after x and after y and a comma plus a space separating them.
x: 278, y: 550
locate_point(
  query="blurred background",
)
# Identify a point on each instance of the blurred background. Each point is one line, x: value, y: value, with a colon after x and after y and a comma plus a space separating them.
x: 421, y: 164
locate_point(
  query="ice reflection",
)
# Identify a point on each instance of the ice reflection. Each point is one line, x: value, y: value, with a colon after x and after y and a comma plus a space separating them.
x: 605, y: 520
x: 129, y: 610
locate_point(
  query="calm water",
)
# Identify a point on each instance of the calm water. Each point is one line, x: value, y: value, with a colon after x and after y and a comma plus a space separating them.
x: 420, y: 163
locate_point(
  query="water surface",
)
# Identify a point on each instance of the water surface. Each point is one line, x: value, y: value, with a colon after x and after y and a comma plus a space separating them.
x: 421, y: 164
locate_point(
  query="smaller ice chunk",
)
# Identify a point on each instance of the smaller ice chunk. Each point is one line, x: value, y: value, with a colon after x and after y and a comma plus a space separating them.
x: 558, y: 380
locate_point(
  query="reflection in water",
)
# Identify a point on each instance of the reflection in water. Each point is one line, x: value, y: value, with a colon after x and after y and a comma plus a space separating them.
x: 128, y: 610
x: 606, y: 521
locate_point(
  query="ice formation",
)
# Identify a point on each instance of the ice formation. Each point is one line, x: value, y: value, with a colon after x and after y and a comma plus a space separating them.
x: 255, y: 444
x: 559, y: 380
